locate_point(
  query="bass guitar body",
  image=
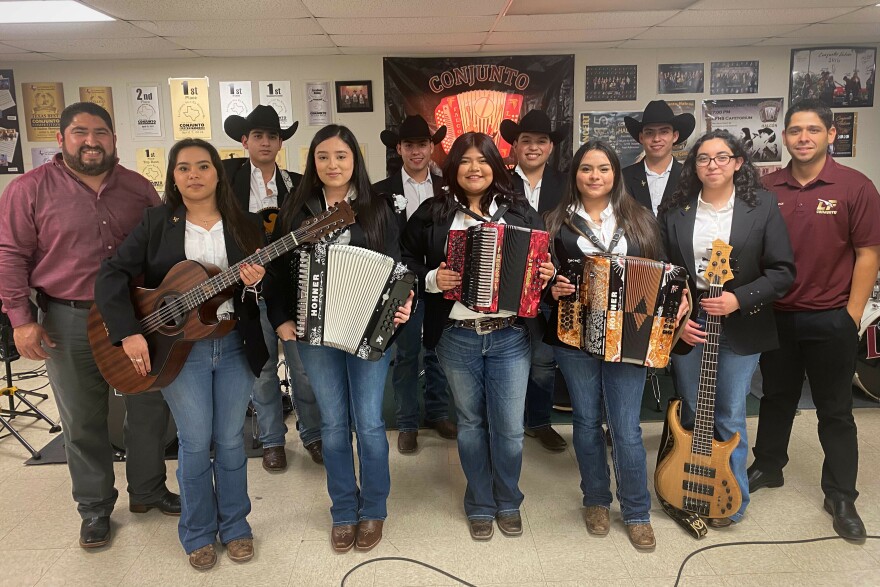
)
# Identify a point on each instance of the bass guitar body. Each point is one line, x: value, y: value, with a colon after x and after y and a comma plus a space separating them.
x: 171, y: 342
x: 700, y: 483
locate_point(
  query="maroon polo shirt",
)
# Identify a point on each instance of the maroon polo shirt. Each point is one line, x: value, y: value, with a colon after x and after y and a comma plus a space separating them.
x: 827, y: 220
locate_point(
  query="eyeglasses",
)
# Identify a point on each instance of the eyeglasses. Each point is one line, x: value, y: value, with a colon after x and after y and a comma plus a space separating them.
x: 720, y: 160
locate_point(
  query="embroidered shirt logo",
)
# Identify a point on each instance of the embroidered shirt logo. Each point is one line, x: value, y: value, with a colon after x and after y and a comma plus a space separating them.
x: 826, y: 207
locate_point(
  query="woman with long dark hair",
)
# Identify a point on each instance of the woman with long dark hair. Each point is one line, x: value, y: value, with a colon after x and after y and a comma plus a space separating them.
x: 200, y: 221
x: 486, y: 357
x: 597, y: 215
x: 349, y: 389
x: 719, y: 196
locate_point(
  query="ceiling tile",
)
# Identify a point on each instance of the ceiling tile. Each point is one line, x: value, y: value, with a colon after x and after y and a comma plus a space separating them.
x: 409, y: 51
x: 391, y: 26
x: 140, y: 55
x: 28, y: 57
x: 199, y: 9
x: 225, y: 42
x: 685, y: 43
x: 206, y: 28
x: 250, y: 52
x: 96, y: 46
x: 797, y: 4
x: 844, y: 31
x: 569, y: 36
x: 754, y: 17
x: 575, y: 6
x: 717, y: 32
x: 4, y: 49
x: 595, y: 20
x: 392, y: 8
x: 869, y: 14
x: 549, y: 48
x: 71, y: 30
x: 814, y: 42
x: 409, y: 40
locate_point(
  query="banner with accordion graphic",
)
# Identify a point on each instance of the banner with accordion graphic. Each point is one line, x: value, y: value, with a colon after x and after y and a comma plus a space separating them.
x: 477, y: 93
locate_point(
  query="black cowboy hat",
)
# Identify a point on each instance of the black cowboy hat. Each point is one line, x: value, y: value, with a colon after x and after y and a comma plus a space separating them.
x: 263, y: 118
x: 535, y: 121
x: 412, y: 127
x: 659, y: 112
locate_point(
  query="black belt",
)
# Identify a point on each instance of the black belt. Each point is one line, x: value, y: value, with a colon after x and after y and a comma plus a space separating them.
x: 485, y: 325
x: 78, y: 304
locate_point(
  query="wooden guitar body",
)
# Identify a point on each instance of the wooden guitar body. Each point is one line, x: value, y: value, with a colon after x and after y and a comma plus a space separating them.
x: 170, y: 344
x: 703, y: 484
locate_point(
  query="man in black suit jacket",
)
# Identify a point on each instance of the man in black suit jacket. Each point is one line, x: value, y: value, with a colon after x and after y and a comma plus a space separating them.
x: 655, y: 178
x: 261, y: 186
x: 411, y: 186
x: 533, y: 140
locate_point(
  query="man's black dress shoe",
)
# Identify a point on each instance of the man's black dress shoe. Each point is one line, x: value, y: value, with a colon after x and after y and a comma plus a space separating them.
x: 759, y: 479
x: 847, y: 522
x: 169, y: 504
x: 94, y: 532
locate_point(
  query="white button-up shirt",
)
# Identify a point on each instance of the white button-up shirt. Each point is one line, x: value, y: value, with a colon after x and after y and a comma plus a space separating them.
x: 263, y: 194
x: 604, y: 231
x: 533, y: 194
x: 709, y: 225
x: 657, y: 185
x: 416, y: 192
x: 207, y: 246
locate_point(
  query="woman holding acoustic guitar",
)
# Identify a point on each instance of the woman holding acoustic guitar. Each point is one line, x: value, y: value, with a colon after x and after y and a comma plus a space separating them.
x: 719, y: 196
x: 201, y: 221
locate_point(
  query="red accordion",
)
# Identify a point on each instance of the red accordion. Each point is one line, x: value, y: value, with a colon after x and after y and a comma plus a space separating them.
x: 499, y: 267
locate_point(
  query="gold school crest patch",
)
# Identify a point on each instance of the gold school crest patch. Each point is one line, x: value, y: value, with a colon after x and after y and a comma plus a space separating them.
x: 826, y: 207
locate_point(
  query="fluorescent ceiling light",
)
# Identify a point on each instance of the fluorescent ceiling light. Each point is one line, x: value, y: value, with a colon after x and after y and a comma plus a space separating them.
x: 40, y: 11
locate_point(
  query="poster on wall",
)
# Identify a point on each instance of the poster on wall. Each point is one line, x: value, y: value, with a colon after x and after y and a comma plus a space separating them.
x: 41, y: 155
x: 11, y: 158
x: 844, y: 144
x: 318, y: 108
x: 190, y: 109
x: 733, y: 77
x: 477, y: 93
x: 610, y: 128
x: 757, y: 122
x: 233, y: 152
x: 43, y: 103
x: 767, y: 169
x: 611, y: 82
x: 680, y: 78
x: 277, y: 95
x: 150, y: 163
x: 146, y: 115
x: 838, y: 76
x: 684, y: 107
x: 100, y: 95
x: 235, y: 98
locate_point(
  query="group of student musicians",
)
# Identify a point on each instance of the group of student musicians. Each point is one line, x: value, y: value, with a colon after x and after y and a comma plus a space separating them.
x: 656, y: 208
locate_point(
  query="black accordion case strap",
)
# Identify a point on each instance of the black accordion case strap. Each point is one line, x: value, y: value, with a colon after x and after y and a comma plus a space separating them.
x: 495, y: 217
x: 579, y: 225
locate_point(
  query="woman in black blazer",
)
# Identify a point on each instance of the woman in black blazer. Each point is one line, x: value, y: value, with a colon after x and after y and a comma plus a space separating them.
x: 486, y: 357
x: 719, y: 196
x: 348, y: 389
x: 201, y: 221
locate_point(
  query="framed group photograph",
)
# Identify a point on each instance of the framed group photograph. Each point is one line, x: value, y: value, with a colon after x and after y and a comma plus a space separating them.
x: 838, y: 76
x: 611, y: 82
x: 734, y: 77
x: 354, y: 96
x: 680, y: 78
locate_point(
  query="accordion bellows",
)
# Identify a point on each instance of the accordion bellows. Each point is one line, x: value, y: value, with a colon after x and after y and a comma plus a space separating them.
x: 624, y: 309
x: 499, y: 266
x: 346, y: 298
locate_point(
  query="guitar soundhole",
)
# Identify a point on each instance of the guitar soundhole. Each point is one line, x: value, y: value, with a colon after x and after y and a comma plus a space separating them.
x: 173, y: 319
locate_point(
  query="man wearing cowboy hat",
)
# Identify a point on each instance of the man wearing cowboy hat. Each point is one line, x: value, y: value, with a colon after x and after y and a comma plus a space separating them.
x: 655, y: 178
x: 415, y: 144
x: 260, y: 186
x: 533, y: 140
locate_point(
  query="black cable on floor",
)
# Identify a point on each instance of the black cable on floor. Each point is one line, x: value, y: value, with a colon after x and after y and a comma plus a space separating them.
x: 406, y: 560
x: 752, y: 543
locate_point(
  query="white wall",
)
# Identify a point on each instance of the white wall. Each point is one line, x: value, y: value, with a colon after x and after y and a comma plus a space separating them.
x: 774, y: 72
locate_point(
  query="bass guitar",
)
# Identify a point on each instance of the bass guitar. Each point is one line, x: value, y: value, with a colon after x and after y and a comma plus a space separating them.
x: 183, y: 309
x: 695, y: 473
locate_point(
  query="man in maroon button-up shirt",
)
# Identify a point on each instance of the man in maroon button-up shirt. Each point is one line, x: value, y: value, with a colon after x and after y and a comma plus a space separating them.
x: 57, y: 223
x: 832, y: 214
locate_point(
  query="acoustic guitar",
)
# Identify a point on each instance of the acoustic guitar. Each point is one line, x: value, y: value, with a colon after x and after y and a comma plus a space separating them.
x: 695, y: 475
x: 183, y: 309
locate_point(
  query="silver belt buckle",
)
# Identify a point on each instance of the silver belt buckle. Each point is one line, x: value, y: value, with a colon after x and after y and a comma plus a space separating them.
x: 489, y: 326
x: 224, y: 316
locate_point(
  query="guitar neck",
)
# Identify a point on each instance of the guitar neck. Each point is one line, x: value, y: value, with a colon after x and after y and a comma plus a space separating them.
x: 704, y: 422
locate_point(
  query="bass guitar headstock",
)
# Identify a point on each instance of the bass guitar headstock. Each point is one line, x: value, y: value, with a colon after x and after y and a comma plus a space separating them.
x: 718, y: 271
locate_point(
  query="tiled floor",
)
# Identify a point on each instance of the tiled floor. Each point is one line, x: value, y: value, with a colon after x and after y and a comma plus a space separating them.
x: 39, y: 527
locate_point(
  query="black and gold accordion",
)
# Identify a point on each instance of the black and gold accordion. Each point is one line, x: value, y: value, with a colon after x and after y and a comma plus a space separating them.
x: 346, y: 298
x: 499, y: 266
x: 623, y: 309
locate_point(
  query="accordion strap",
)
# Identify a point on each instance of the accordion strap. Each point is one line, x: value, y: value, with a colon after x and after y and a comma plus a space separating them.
x: 580, y: 226
x: 495, y: 217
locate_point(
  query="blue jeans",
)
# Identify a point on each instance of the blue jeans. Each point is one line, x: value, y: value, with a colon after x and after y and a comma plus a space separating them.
x: 308, y: 415
x: 542, y: 377
x: 612, y: 390
x: 405, y: 377
x: 488, y: 375
x: 209, y: 399
x: 266, y: 393
x: 732, y: 386
x: 350, y: 390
